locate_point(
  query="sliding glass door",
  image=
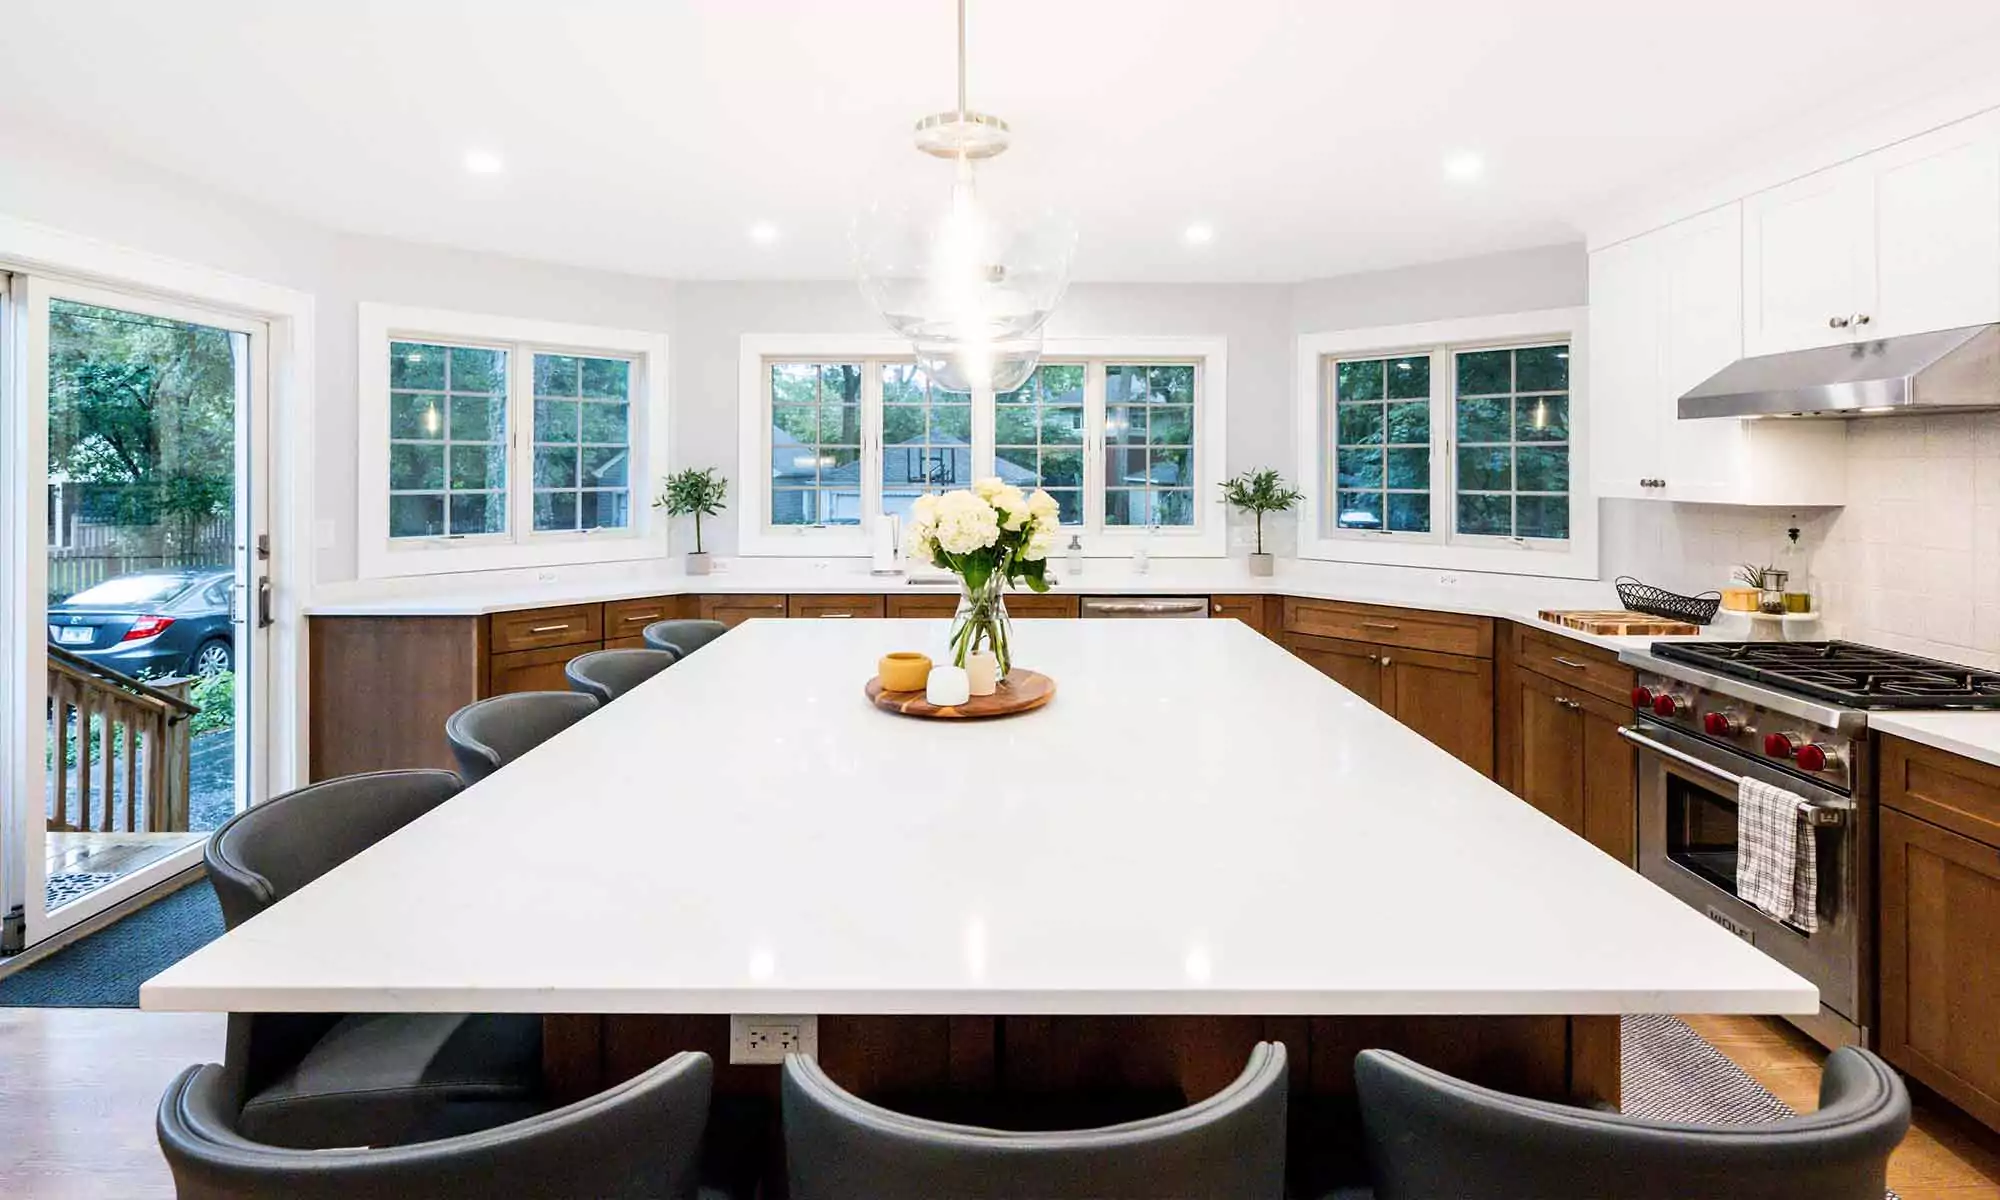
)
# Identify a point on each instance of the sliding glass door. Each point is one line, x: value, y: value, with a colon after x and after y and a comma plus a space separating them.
x: 135, y: 503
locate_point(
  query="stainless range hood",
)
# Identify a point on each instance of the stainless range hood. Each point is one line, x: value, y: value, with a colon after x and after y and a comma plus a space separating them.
x: 1922, y: 372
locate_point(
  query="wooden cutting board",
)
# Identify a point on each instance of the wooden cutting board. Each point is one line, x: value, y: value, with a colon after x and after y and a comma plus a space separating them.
x: 1023, y: 691
x: 1618, y: 623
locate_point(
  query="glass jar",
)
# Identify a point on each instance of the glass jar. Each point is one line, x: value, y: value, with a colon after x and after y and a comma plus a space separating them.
x: 981, y: 623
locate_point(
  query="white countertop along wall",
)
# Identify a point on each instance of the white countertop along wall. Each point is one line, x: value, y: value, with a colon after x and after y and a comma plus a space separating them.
x: 1197, y: 824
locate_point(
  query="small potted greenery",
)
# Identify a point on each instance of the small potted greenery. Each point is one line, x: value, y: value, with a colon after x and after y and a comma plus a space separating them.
x: 1257, y: 493
x: 695, y: 493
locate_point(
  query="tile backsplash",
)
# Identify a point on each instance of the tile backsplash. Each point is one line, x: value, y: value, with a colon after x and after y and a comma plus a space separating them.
x: 1912, y: 562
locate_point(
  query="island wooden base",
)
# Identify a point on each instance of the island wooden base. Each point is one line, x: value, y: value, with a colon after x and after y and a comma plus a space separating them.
x: 968, y: 1065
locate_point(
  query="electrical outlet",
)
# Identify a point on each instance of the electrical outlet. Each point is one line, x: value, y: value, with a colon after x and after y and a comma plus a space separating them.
x: 545, y: 575
x: 1448, y: 579
x: 765, y: 1040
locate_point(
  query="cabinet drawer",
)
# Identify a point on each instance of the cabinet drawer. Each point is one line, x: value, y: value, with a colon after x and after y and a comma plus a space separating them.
x: 1247, y: 609
x: 1583, y: 667
x: 734, y: 610
x: 532, y: 670
x: 570, y: 625
x: 1032, y: 604
x: 629, y: 618
x: 1445, y: 633
x: 835, y: 606
x: 927, y: 606
x: 1958, y: 793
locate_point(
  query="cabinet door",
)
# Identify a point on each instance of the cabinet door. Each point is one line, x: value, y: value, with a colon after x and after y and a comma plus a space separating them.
x: 1625, y: 396
x: 531, y: 670
x: 1940, y: 961
x: 1937, y: 231
x: 1356, y: 666
x: 1247, y: 609
x: 1809, y: 259
x: 1448, y: 698
x: 836, y: 606
x: 1701, y: 332
x: 925, y: 606
x: 1548, y: 772
x: 1610, y: 779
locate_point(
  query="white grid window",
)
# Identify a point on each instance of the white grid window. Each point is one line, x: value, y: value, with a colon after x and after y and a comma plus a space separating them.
x: 816, y: 443
x: 926, y: 437
x: 1149, y: 444
x: 1038, y: 434
x: 1512, y: 416
x: 447, y: 440
x: 583, y: 442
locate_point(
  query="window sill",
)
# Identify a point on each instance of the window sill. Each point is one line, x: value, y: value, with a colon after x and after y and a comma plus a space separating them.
x: 422, y: 557
x: 1578, y: 560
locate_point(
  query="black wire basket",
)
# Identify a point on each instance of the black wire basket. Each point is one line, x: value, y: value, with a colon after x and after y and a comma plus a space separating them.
x: 1645, y: 598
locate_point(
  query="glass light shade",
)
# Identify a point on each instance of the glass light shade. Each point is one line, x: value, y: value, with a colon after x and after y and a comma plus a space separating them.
x: 971, y: 287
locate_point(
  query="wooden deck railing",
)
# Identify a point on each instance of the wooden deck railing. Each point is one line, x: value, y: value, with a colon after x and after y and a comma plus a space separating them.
x: 113, y: 726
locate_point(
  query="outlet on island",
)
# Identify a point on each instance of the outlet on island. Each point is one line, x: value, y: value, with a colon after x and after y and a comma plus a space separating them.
x: 755, y: 1040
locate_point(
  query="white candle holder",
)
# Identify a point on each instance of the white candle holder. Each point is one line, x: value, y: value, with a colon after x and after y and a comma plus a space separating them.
x: 947, y: 686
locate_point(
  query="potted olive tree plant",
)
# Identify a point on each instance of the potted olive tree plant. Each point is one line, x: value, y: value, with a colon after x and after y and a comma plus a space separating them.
x: 697, y: 493
x: 1257, y: 493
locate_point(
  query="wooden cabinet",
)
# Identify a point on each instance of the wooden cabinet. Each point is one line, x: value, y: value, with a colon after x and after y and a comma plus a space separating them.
x: 1448, y: 698
x: 1251, y: 610
x: 926, y: 606
x: 1033, y: 606
x: 629, y: 618
x: 734, y: 610
x: 531, y: 670
x: 1939, y: 923
x: 1666, y: 312
x: 1904, y: 240
x: 537, y: 628
x: 835, y: 606
x: 1446, y: 633
x: 1561, y: 705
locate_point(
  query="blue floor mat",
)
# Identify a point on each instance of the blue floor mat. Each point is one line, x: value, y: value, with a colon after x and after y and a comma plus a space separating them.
x: 105, y: 969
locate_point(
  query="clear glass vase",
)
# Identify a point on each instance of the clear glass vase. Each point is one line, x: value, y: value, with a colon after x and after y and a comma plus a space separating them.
x: 981, y: 623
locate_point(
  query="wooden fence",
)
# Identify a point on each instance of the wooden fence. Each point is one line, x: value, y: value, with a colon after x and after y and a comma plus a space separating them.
x: 95, y: 553
x: 114, y: 727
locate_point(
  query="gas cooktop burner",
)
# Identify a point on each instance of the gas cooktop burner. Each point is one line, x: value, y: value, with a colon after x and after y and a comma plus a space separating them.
x: 1843, y: 673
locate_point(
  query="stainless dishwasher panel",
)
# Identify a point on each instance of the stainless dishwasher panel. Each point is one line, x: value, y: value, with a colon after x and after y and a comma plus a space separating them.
x: 1176, y: 607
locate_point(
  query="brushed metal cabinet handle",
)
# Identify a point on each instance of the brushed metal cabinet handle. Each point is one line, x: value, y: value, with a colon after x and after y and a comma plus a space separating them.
x: 651, y: 616
x: 549, y: 628
x: 1571, y: 663
x: 1379, y: 625
x: 1839, y: 322
x: 1385, y: 660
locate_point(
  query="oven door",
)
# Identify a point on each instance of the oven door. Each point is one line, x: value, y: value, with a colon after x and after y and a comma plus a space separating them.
x: 1687, y: 845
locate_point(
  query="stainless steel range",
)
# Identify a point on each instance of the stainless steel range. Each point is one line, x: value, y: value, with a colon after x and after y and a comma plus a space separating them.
x: 1793, y: 714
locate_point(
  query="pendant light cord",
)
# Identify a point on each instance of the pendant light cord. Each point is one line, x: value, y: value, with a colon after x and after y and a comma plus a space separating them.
x: 961, y: 60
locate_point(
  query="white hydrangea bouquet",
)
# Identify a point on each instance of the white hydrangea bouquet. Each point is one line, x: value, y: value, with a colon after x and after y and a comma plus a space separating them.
x: 989, y: 537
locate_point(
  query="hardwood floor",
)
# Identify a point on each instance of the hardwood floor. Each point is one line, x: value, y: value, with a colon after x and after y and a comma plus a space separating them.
x: 1947, y: 1156
x: 78, y: 1087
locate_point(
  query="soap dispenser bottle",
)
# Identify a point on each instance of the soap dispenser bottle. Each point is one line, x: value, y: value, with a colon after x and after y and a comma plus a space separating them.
x: 1074, y: 555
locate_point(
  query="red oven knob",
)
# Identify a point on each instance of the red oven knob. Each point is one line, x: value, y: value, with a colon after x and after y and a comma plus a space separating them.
x: 1642, y: 697
x: 1719, y: 724
x: 1666, y: 705
x: 1778, y: 745
x: 1816, y: 758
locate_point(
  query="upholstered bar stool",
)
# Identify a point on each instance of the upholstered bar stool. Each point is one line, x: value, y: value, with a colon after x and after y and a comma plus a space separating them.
x: 683, y: 637
x: 609, y: 674
x: 488, y: 734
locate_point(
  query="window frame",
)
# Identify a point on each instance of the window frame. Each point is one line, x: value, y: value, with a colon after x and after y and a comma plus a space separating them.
x: 1207, y: 537
x: 519, y: 544
x: 1443, y: 547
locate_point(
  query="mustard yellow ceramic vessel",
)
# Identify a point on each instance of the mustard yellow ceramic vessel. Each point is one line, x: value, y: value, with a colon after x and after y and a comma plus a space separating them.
x: 903, y: 671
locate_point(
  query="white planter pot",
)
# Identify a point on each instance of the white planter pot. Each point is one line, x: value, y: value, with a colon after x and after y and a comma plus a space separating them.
x: 1263, y: 564
x: 698, y: 564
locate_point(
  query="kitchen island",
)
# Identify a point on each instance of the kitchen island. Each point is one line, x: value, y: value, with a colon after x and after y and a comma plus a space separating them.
x: 1200, y: 843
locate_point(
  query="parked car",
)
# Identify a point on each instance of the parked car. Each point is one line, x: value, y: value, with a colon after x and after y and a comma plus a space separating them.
x: 167, y: 622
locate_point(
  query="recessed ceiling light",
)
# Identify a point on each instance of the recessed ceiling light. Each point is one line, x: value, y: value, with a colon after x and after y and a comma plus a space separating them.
x: 763, y: 233
x: 1464, y: 166
x: 1201, y: 233
x: 483, y: 162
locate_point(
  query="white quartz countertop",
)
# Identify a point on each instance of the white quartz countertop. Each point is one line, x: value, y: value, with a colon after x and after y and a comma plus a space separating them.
x: 1975, y: 735
x: 1513, y: 598
x: 1199, y: 823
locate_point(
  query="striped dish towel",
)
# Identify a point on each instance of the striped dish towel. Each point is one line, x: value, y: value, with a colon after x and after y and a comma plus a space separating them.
x: 1777, y: 862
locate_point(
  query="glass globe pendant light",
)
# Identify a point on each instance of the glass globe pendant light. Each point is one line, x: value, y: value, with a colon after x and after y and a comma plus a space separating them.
x: 968, y: 284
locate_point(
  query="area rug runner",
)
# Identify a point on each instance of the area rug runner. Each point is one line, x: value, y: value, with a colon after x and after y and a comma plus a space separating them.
x: 105, y: 969
x: 1671, y: 1073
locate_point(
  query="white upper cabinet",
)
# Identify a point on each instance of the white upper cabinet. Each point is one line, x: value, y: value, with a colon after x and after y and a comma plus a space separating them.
x: 1903, y: 240
x: 1666, y: 312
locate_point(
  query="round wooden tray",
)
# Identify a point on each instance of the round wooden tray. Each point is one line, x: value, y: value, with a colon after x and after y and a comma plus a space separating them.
x: 1023, y: 691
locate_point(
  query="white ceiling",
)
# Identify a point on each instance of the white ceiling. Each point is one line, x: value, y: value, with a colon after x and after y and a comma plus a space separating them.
x: 649, y: 135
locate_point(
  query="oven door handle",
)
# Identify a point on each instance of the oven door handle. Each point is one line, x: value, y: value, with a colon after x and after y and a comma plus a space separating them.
x: 1820, y: 814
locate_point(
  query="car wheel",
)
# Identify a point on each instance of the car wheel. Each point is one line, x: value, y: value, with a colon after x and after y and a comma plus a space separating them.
x: 214, y: 658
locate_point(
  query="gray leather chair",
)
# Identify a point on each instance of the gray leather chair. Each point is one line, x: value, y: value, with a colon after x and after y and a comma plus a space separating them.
x: 1231, y: 1145
x: 1430, y: 1135
x: 683, y: 637
x: 488, y: 734
x: 609, y: 674
x: 328, y: 1079
x: 641, y: 1139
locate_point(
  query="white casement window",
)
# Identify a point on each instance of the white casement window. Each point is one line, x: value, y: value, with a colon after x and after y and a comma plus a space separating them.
x: 490, y: 442
x: 1454, y: 444
x: 1126, y: 434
